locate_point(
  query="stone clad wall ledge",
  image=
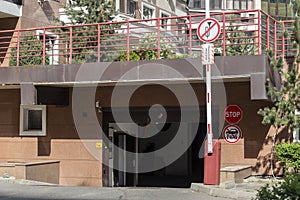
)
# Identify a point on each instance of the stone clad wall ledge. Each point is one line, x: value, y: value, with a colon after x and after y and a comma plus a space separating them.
x: 43, y: 171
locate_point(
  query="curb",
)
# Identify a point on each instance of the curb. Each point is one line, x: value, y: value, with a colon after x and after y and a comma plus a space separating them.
x: 219, y: 192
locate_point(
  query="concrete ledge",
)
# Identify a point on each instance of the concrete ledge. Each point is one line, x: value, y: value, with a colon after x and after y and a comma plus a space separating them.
x: 37, y: 163
x: 43, y: 171
x: 219, y: 192
x: 235, y: 173
x: 23, y: 182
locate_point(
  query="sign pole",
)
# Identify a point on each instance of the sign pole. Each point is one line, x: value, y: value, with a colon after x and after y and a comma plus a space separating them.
x: 208, y: 95
x: 207, y: 9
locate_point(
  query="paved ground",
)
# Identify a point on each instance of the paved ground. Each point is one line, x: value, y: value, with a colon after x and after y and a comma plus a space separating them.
x: 13, y: 191
x: 246, y: 190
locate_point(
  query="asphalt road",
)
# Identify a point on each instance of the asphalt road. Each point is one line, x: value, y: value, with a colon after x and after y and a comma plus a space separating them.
x: 10, y: 191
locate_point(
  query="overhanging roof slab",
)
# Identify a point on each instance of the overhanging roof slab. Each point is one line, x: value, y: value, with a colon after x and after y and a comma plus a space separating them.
x: 228, y: 67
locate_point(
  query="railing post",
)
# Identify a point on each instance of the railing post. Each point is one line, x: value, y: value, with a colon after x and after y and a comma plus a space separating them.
x: 158, y: 39
x: 259, y: 33
x: 71, y: 45
x: 18, y: 48
x: 44, y: 47
x: 127, y: 41
x: 224, y: 33
x: 99, y: 42
x: 268, y: 32
x: 190, y: 37
x: 275, y: 39
x: 282, y: 40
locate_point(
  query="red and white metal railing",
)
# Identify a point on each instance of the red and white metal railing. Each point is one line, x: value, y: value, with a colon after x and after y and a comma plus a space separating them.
x: 243, y: 33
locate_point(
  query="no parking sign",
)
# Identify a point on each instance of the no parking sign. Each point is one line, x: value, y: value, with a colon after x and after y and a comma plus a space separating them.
x: 232, y: 134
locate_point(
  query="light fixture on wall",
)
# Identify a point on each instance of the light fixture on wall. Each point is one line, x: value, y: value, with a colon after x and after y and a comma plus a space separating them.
x: 98, y: 106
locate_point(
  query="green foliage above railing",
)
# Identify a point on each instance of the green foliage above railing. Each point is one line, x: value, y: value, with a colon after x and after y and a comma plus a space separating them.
x: 31, y: 52
x: 147, y: 49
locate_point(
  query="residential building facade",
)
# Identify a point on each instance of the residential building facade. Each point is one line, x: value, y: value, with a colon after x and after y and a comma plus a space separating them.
x: 280, y: 9
x: 101, y: 121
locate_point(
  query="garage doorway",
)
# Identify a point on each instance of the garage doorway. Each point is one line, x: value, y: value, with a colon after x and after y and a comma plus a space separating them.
x: 188, y: 168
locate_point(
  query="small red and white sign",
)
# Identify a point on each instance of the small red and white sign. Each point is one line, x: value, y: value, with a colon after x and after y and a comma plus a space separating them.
x: 233, y: 114
x: 232, y: 134
x: 207, y: 54
x: 209, y: 30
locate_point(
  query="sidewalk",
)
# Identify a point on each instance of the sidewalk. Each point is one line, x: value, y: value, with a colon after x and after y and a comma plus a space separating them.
x: 12, y: 180
x: 246, y: 190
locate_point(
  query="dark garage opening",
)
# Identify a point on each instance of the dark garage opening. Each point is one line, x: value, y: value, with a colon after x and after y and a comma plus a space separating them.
x: 188, y: 168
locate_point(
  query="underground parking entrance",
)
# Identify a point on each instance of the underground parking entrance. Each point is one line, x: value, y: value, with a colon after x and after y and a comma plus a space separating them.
x: 121, y: 168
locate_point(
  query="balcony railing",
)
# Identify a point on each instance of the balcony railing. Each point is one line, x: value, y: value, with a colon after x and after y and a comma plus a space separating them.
x: 249, y: 32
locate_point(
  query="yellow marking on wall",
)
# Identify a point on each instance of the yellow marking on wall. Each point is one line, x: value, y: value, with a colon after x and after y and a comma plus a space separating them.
x: 99, y: 144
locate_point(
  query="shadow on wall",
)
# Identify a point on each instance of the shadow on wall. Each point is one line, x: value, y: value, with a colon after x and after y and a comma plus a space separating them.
x: 48, y: 10
x: 263, y: 164
x: 255, y: 142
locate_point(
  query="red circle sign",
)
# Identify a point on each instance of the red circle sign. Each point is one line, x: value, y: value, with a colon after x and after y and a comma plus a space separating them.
x: 233, y: 114
x: 209, y: 30
x: 232, y: 134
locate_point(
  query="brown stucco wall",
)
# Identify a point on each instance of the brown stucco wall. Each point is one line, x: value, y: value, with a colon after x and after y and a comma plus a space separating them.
x: 255, y: 146
x: 77, y: 166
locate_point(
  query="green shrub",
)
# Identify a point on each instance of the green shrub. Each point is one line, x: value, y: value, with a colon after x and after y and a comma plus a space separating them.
x: 132, y: 56
x: 289, y: 155
x: 288, y: 189
x: 31, y: 52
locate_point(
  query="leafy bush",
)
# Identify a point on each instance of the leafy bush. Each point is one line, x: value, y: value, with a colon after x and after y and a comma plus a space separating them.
x: 288, y: 189
x: 289, y: 155
x: 147, y: 47
x: 132, y: 56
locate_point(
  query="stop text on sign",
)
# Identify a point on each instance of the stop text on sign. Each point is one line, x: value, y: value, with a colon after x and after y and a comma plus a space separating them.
x: 233, y: 114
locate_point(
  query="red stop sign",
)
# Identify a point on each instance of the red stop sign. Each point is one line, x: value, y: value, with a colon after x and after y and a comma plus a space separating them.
x: 233, y: 114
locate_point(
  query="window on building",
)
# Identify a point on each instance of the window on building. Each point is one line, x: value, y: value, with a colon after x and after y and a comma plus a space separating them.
x: 52, y: 47
x: 33, y: 120
x: 278, y: 8
x: 241, y: 4
x: 165, y: 22
x: 148, y: 12
x: 223, y: 4
x: 296, y: 136
x: 128, y: 7
x: 131, y: 8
